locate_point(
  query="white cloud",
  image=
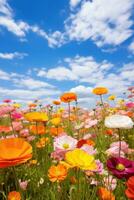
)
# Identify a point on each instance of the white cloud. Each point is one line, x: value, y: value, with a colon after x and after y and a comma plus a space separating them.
x: 85, y: 70
x: 131, y: 47
x: 105, y: 22
x: 5, y: 8
x: 4, y: 75
x: 82, y: 91
x: 27, y: 95
x: 32, y: 84
x: 74, y: 3
x: 10, y: 56
x: 61, y: 73
x: 102, y: 22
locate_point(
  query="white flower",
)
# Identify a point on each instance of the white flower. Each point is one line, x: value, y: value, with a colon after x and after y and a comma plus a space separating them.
x: 119, y: 121
x: 65, y: 142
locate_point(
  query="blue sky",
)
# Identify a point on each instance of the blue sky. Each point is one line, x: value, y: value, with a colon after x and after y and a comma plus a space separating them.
x: 49, y: 47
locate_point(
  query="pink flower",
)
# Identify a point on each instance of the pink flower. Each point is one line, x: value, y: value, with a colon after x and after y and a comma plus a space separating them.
x: 89, y: 123
x: 17, y: 126
x: 16, y: 115
x: 23, y: 184
x: 30, y: 138
x: 124, y: 146
x: 65, y: 142
x: 5, y: 110
x: 110, y: 182
x: 130, y: 104
x: 89, y: 149
x: 58, y: 155
x: 114, y: 149
x: 24, y: 133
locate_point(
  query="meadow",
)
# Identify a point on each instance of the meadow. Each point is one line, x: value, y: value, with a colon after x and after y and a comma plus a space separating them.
x: 50, y: 152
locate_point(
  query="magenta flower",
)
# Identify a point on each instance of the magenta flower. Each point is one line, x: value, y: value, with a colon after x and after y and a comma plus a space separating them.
x: 121, y: 167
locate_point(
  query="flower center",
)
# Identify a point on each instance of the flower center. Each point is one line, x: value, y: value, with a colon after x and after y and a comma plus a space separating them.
x: 120, y: 167
x: 65, y: 146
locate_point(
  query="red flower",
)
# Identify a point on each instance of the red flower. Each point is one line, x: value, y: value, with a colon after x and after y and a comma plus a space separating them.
x: 130, y: 190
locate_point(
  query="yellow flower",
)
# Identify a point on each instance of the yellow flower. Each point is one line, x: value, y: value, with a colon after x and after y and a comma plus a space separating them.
x: 112, y: 97
x: 121, y: 101
x: 100, y: 90
x: 60, y: 110
x: 81, y: 159
x: 56, y: 121
x: 36, y: 116
x: 33, y: 162
x: 42, y: 142
x: 17, y: 105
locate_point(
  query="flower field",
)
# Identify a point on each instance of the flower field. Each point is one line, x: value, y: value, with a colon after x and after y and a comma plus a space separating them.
x: 64, y: 152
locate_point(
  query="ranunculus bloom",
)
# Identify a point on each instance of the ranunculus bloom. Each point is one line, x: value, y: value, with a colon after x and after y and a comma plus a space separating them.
x: 68, y: 97
x: 56, y: 102
x: 80, y: 158
x: 121, y: 167
x: 14, y: 151
x: 57, y: 173
x: 36, y: 116
x: 5, y: 129
x: 7, y: 100
x: 130, y: 188
x: 105, y: 194
x: 119, y: 121
x: 85, y: 141
x: 130, y: 104
x: 17, y: 126
x: 14, y: 196
x: 65, y: 142
x: 100, y: 90
x: 16, y: 115
x: 89, y: 123
x: 39, y: 129
x: 111, y: 98
x: 56, y: 131
x: 114, y: 149
x: 56, y: 121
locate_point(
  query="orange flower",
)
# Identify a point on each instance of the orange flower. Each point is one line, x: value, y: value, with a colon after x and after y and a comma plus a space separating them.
x: 55, y: 131
x: 68, y: 97
x: 42, y: 142
x: 130, y: 188
x: 39, y: 129
x: 32, y: 105
x: 14, y: 196
x: 105, y: 194
x: 14, y: 151
x: 100, y: 90
x: 109, y: 132
x: 5, y: 129
x: 57, y: 173
x: 56, y: 102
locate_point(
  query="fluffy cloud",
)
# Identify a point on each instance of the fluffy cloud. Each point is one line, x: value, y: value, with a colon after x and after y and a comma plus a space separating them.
x: 61, y: 73
x: 104, y: 23
x: 4, y: 75
x: 10, y: 56
x: 79, y: 68
x: 32, y: 84
x: 88, y: 70
x: 27, y: 95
